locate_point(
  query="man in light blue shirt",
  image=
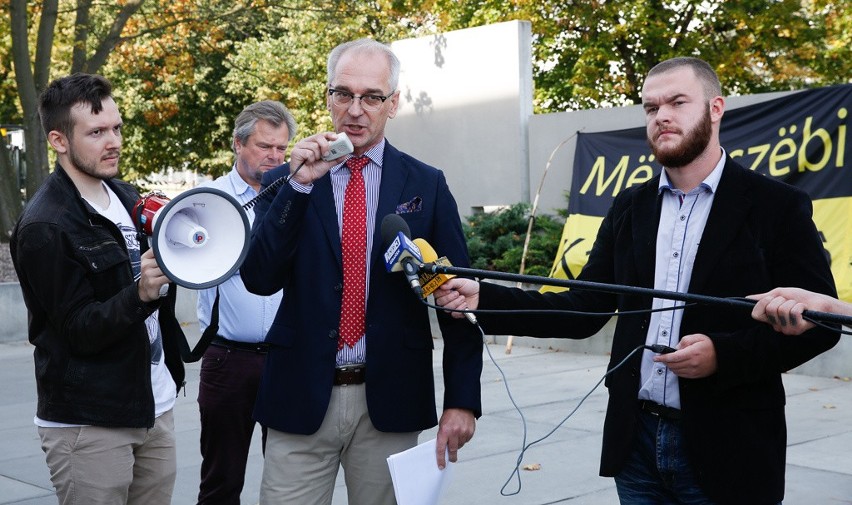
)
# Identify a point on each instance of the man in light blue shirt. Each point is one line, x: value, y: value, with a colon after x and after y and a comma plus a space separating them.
x: 232, y: 365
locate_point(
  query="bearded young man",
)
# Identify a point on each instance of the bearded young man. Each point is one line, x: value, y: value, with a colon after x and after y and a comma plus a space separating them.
x: 106, y: 357
x: 704, y: 424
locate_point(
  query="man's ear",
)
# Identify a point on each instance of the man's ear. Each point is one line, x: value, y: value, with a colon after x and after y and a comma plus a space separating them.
x: 58, y: 141
x: 394, y: 99
x: 717, y: 109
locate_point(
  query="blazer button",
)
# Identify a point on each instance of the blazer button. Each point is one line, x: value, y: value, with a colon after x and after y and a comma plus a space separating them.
x: 332, y: 334
x: 338, y: 287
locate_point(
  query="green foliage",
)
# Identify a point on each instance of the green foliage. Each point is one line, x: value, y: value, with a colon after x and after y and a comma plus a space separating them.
x: 495, y: 240
x: 590, y: 54
x: 183, y: 69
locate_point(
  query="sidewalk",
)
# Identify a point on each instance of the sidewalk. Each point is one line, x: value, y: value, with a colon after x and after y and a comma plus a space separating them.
x: 547, y: 385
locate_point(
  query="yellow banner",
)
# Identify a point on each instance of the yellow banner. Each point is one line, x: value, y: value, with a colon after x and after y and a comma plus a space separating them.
x: 832, y: 216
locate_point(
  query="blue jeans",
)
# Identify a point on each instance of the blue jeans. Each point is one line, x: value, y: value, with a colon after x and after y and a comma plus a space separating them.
x: 658, y: 471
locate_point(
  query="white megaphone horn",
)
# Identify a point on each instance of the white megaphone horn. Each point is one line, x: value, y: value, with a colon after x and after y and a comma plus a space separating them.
x: 199, y: 238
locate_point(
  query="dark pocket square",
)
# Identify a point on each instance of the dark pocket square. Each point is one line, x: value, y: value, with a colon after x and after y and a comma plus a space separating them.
x: 415, y: 205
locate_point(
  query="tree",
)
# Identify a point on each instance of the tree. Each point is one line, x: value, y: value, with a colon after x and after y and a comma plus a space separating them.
x: 590, y: 54
x: 594, y: 54
x: 184, y: 68
x: 33, y: 71
x: 171, y: 90
x: 84, y: 33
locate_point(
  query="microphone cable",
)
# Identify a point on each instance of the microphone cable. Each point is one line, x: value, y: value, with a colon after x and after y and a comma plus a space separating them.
x: 277, y: 183
x: 516, y: 474
x: 516, y: 471
x: 659, y: 349
x: 816, y: 322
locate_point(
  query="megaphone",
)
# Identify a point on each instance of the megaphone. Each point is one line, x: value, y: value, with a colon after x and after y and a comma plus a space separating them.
x: 200, y: 237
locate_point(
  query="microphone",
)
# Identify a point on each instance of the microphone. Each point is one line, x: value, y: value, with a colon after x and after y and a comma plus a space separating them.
x: 431, y: 281
x: 401, y: 253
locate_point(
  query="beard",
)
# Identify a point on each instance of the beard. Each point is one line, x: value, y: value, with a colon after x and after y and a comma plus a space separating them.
x: 694, y: 143
x: 90, y: 166
x: 255, y: 174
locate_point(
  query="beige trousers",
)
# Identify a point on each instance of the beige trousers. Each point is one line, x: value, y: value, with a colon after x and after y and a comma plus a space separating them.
x: 301, y: 469
x: 92, y: 465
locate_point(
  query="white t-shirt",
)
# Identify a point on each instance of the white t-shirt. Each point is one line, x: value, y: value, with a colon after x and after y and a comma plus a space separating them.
x: 162, y: 383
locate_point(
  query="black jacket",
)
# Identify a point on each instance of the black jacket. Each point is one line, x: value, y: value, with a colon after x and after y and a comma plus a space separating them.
x: 86, y: 321
x: 759, y: 235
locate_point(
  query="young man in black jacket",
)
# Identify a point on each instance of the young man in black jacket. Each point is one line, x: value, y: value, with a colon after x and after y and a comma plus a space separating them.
x: 101, y: 313
x: 703, y: 425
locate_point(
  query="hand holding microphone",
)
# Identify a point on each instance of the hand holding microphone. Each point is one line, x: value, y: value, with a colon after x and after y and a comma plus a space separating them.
x: 403, y: 254
x: 434, y: 281
x: 312, y: 157
x: 459, y: 294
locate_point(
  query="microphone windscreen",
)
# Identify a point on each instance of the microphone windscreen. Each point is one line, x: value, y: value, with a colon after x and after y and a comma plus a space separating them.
x: 427, y: 252
x: 431, y: 281
x: 392, y: 224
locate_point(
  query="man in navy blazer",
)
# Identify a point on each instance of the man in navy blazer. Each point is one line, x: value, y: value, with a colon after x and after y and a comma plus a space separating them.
x: 328, y: 403
x: 705, y: 424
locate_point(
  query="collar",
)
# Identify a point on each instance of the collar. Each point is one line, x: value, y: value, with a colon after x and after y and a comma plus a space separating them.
x: 710, y: 183
x: 240, y: 186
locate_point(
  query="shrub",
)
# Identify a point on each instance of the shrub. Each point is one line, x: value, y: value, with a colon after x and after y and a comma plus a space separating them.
x: 495, y: 240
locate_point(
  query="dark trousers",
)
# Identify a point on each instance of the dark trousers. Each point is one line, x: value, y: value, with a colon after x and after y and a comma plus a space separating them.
x: 658, y: 471
x: 226, y: 396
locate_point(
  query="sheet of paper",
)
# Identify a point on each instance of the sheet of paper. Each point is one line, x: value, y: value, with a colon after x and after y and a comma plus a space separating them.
x: 416, y: 477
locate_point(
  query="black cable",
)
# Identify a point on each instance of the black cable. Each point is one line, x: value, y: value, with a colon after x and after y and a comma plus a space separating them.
x: 277, y: 183
x: 825, y: 326
x: 658, y: 348
x: 731, y: 302
x: 559, y: 311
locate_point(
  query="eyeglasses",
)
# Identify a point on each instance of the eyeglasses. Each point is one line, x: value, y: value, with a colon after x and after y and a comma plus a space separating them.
x: 370, y: 103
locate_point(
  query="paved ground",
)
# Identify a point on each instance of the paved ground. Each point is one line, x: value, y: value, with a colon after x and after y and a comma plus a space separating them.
x: 547, y: 385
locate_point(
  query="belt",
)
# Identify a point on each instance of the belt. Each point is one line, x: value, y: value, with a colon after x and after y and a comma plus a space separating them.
x: 258, y: 347
x: 350, y: 375
x: 655, y: 409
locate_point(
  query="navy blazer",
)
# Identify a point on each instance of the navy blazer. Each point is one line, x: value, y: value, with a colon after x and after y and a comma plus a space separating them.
x: 295, y: 245
x: 759, y: 235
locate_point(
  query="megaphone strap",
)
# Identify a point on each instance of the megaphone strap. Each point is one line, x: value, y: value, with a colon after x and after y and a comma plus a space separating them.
x: 191, y: 356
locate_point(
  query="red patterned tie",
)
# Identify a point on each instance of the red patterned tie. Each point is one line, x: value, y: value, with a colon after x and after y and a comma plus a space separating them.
x: 354, y: 242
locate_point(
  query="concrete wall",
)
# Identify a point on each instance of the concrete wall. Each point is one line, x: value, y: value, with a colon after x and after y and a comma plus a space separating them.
x: 466, y: 99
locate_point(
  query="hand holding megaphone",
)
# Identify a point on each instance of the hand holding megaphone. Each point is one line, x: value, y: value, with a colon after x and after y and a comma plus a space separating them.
x: 153, y: 283
x: 199, y: 238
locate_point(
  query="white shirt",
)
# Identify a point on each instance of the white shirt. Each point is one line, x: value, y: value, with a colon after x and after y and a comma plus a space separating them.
x: 682, y: 220
x: 243, y: 316
x: 372, y: 182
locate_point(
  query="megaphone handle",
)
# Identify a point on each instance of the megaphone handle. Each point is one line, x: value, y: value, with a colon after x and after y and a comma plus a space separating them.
x: 272, y: 187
